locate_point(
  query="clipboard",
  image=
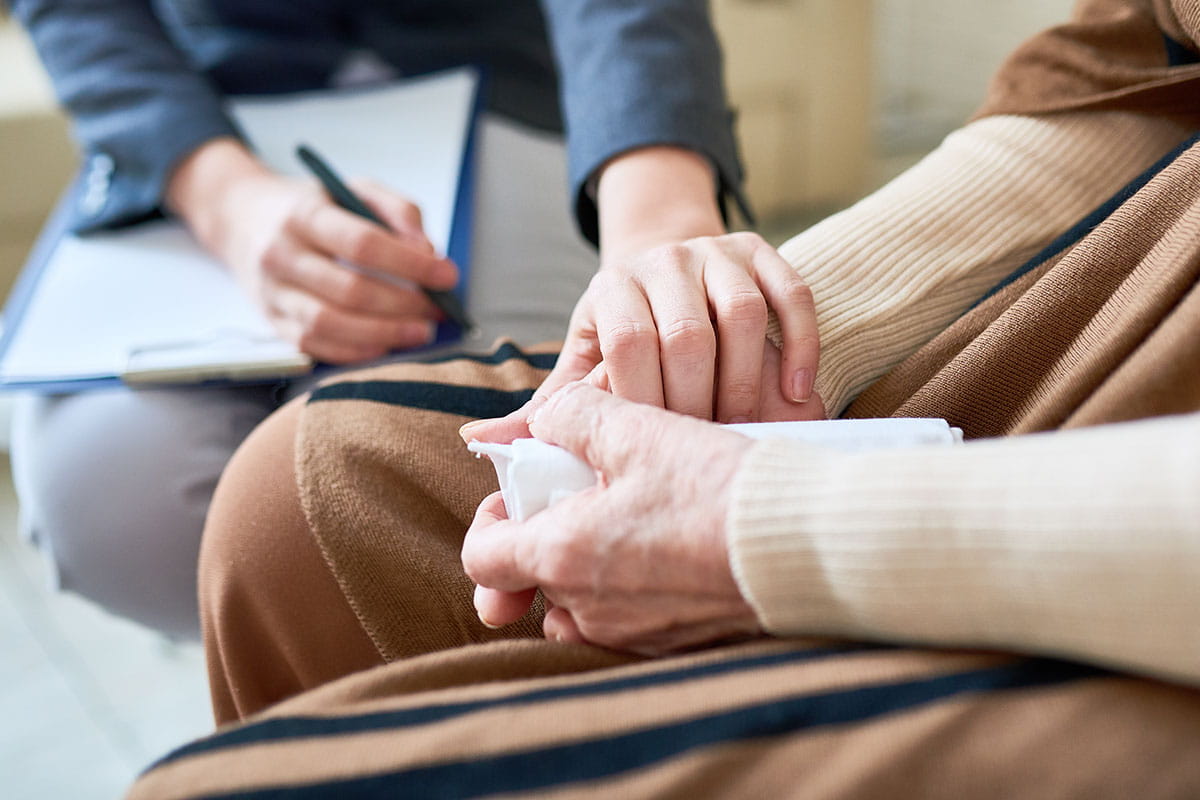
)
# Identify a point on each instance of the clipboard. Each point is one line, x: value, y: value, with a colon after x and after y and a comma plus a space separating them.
x: 147, y: 306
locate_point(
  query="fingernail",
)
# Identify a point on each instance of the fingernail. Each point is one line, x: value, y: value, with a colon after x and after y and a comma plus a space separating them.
x: 489, y: 625
x: 536, y: 411
x: 465, y: 430
x: 738, y: 420
x: 802, y: 383
x: 419, y: 333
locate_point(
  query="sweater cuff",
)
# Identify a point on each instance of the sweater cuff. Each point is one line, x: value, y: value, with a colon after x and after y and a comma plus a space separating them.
x: 1083, y: 544
x: 774, y: 559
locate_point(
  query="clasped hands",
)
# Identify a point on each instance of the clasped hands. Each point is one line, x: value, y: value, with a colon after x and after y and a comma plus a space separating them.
x: 675, y: 319
x: 640, y: 561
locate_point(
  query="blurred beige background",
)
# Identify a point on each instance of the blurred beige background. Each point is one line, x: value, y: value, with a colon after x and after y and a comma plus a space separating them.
x: 834, y: 97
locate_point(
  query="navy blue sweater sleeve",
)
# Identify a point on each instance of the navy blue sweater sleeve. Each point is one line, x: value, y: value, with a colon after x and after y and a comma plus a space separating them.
x: 138, y: 106
x: 636, y: 73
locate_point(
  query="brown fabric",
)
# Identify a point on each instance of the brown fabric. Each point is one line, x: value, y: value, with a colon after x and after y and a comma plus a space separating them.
x: 274, y: 620
x: 1112, y: 55
x: 389, y: 490
x: 1102, y: 332
x: 770, y: 718
x: 766, y: 719
x: 1107, y: 332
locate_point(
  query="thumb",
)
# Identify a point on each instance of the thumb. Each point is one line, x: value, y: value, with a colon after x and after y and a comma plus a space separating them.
x: 607, y: 432
x: 500, y: 430
x: 515, y: 425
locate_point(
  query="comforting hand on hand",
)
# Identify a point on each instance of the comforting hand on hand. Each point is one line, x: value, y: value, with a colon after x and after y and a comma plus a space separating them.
x: 683, y: 327
x: 678, y: 312
x: 292, y: 249
x: 638, y: 562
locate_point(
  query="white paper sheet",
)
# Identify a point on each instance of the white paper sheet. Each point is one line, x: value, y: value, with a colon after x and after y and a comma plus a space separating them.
x: 149, y: 303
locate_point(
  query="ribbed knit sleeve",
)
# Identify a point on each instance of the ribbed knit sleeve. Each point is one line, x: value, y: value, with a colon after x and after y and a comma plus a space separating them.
x: 1083, y: 543
x: 897, y: 268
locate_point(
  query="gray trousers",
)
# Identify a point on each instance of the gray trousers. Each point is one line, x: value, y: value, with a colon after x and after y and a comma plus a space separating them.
x: 114, y: 484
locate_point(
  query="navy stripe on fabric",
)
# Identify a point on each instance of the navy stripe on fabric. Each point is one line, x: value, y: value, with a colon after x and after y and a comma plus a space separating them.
x: 607, y: 757
x: 1091, y: 221
x: 1178, y: 55
x: 466, y: 401
x: 287, y: 728
x: 505, y: 352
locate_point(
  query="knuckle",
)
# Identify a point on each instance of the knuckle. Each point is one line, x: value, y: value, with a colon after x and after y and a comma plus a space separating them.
x: 360, y: 245
x: 680, y: 257
x: 305, y: 210
x: 353, y: 291
x: 797, y: 294
x: 674, y: 257
x: 747, y: 307
x: 320, y: 323
x: 308, y: 339
x: 688, y: 335
x: 748, y: 239
x: 602, y: 282
x: 275, y: 260
x: 629, y: 337
x: 567, y: 394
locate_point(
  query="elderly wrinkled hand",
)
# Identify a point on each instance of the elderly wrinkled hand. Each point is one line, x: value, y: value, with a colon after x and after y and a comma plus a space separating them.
x: 638, y: 562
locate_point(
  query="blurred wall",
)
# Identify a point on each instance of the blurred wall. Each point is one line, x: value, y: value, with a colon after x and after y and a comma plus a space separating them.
x: 835, y: 96
x: 799, y: 75
x: 827, y: 91
x: 933, y: 60
x: 36, y: 155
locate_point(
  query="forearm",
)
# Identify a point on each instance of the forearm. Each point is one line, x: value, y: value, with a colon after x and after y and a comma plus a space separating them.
x: 893, y: 271
x: 639, y: 74
x: 655, y: 195
x: 1084, y: 544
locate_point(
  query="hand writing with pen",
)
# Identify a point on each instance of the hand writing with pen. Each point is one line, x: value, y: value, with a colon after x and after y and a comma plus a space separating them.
x: 289, y: 245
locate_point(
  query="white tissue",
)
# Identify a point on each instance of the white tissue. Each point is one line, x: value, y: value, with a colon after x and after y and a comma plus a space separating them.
x: 535, y: 475
x: 857, y: 434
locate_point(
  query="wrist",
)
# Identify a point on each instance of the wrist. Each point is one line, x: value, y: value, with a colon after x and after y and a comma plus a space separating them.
x: 201, y: 185
x: 653, y: 196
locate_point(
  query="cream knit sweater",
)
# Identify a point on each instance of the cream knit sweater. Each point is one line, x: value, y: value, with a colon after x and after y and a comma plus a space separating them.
x: 1084, y: 544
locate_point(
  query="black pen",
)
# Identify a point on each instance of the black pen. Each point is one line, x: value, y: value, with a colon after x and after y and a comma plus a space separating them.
x: 447, y: 302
